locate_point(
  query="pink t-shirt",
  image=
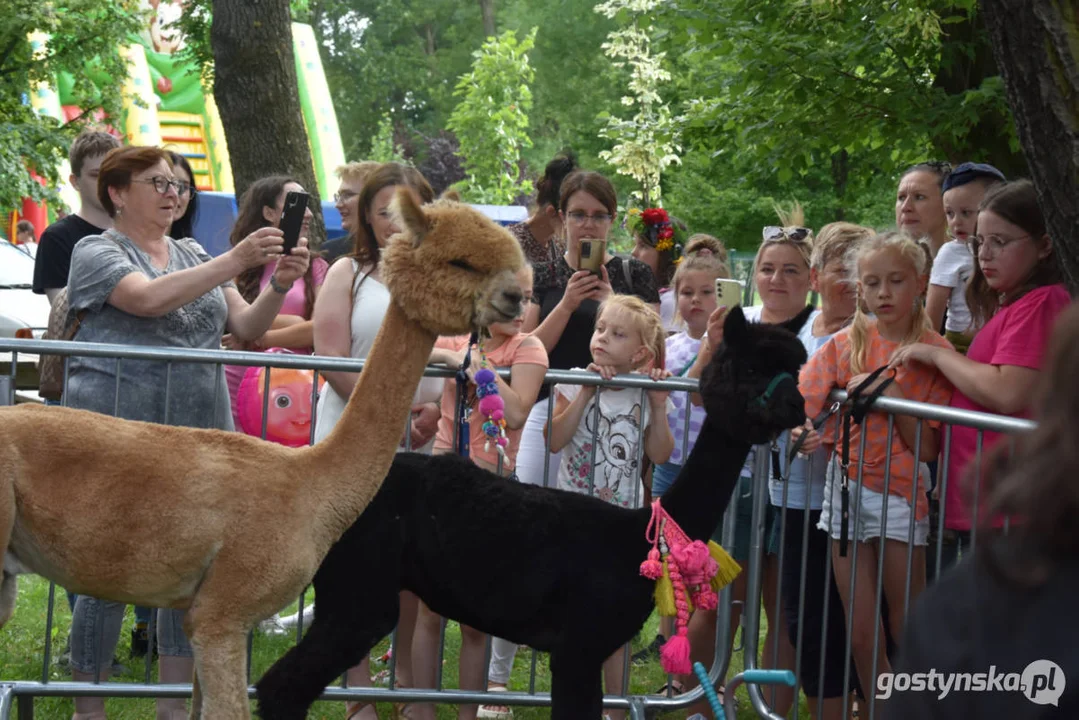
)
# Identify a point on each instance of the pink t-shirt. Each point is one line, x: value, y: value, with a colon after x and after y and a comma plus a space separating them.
x: 294, y: 304
x: 1017, y: 335
x: 510, y: 353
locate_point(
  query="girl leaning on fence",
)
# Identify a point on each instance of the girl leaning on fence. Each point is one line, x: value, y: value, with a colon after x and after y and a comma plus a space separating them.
x: 892, y: 272
x: 1015, y: 295
x: 601, y: 447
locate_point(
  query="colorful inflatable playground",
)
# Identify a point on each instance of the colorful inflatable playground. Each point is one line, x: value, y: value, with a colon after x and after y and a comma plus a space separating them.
x: 165, y: 104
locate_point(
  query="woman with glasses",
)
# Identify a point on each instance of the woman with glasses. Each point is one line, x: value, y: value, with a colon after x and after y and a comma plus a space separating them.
x: 919, y: 203
x: 262, y: 206
x: 563, y: 315
x: 781, y: 274
x: 1015, y: 296
x: 135, y: 285
x: 347, y: 202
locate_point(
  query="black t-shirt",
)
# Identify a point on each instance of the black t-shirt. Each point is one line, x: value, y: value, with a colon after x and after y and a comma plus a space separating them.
x: 333, y: 249
x: 54, y: 251
x: 572, y: 348
x: 970, y: 621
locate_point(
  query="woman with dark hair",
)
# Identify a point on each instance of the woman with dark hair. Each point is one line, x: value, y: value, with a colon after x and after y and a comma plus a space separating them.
x: 539, y: 234
x: 261, y: 206
x: 562, y: 315
x: 347, y: 318
x: 183, y: 223
x: 136, y: 285
x: 1005, y: 612
x: 919, y: 203
x: 1014, y: 295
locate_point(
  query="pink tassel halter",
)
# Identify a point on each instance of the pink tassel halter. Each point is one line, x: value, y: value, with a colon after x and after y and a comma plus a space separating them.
x: 690, y: 565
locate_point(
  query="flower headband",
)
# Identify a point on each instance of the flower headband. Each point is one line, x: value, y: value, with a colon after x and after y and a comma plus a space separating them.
x: 653, y: 225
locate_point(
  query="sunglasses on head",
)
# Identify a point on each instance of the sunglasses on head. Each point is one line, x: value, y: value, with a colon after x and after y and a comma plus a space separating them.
x: 794, y: 234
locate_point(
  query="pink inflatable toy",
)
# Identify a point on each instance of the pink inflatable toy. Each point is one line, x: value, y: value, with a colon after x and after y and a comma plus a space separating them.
x: 289, y: 409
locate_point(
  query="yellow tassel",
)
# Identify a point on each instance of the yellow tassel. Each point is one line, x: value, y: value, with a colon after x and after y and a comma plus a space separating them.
x: 729, y: 568
x: 665, y: 594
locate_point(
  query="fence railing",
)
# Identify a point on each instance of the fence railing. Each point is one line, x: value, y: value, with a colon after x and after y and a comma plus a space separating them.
x: 20, y: 693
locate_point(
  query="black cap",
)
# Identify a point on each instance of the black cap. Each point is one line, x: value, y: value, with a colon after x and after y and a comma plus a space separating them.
x: 969, y: 172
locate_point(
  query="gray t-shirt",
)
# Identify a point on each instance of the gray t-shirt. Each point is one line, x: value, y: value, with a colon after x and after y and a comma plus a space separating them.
x: 197, y: 394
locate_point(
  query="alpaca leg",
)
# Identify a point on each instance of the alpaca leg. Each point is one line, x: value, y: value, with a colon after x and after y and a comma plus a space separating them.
x: 221, y: 664
x: 576, y: 688
x: 345, y: 629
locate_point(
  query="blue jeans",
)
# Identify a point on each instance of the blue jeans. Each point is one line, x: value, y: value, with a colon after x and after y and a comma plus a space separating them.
x: 91, y: 613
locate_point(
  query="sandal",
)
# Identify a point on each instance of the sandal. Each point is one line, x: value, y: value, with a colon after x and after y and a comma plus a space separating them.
x: 495, y: 712
x: 675, y: 687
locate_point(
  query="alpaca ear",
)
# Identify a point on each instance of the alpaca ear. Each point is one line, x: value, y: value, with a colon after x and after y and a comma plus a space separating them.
x: 451, y: 195
x: 735, y: 328
x: 410, y: 216
x: 796, y: 323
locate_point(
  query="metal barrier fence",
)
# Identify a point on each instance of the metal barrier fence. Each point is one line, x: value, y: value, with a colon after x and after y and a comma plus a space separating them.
x: 20, y: 694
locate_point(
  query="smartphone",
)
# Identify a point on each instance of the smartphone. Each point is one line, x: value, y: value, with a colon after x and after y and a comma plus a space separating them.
x: 292, y: 218
x: 728, y: 292
x: 592, y: 254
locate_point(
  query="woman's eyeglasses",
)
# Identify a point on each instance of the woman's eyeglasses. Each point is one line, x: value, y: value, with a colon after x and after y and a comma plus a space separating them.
x: 161, y: 184
x: 994, y: 244
x: 578, y: 217
x: 774, y: 233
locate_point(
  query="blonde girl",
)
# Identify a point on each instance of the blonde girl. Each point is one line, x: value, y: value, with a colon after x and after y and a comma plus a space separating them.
x: 628, y: 338
x: 891, y: 270
x: 506, y: 346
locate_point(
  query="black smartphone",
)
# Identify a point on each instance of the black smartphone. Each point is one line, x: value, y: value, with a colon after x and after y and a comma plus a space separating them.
x: 292, y: 218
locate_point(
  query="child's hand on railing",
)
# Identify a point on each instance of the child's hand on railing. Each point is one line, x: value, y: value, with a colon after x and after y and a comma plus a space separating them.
x: 658, y: 398
x: 812, y: 438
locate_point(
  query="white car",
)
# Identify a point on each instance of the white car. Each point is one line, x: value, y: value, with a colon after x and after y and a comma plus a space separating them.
x: 22, y: 313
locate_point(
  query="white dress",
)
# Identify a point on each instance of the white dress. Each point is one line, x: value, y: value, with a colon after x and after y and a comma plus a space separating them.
x: 371, y: 300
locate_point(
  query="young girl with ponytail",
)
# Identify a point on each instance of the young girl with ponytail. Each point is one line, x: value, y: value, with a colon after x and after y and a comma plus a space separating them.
x: 891, y: 270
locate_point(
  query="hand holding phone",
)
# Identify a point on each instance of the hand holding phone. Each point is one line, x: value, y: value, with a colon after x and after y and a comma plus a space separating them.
x: 292, y: 219
x: 592, y: 252
x: 728, y: 293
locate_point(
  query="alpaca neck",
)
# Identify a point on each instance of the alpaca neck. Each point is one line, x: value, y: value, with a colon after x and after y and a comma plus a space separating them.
x: 355, y: 457
x: 706, y: 481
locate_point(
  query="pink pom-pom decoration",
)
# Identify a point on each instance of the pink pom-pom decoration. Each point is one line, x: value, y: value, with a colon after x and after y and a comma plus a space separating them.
x: 652, y: 568
x: 695, y: 562
x: 497, y: 415
x: 503, y: 442
x: 675, y: 655
x: 490, y: 404
x: 705, y: 598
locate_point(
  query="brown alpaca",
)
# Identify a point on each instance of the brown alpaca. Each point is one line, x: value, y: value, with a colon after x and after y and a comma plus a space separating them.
x: 243, y: 524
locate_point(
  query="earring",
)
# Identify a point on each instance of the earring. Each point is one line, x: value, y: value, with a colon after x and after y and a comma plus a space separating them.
x: 119, y: 211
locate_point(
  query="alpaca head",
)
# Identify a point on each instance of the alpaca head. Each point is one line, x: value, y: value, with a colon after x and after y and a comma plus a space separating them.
x: 451, y: 269
x: 750, y: 388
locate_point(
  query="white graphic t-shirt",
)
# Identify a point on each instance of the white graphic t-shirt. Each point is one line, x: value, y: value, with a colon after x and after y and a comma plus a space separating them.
x: 617, y: 478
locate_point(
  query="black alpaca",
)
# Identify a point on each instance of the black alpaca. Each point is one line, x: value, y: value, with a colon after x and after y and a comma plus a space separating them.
x: 557, y: 571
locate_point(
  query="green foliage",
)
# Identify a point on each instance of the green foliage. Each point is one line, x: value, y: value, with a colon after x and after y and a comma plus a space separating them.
x: 83, y: 36
x: 792, y: 84
x: 491, y: 119
x: 383, y: 147
x: 649, y: 141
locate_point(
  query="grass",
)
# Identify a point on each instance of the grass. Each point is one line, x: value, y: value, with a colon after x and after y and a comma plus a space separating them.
x: 22, y: 647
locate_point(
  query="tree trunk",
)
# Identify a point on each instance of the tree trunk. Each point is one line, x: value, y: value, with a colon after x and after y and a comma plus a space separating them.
x: 840, y: 177
x: 1035, y: 46
x: 257, y: 95
x: 487, y: 7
